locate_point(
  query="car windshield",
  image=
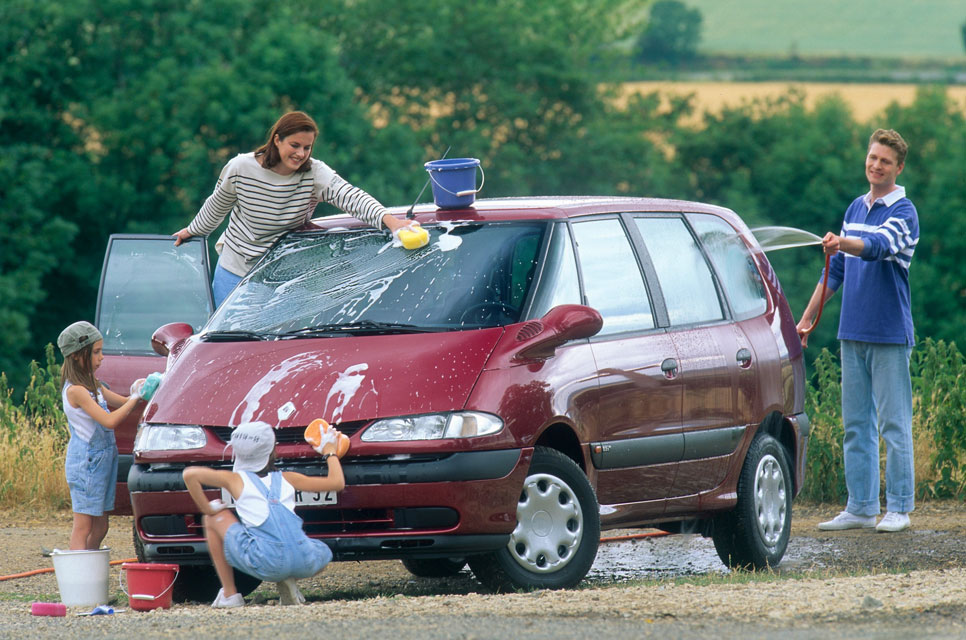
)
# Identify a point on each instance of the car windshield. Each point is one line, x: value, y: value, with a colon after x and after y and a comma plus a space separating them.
x: 470, y: 275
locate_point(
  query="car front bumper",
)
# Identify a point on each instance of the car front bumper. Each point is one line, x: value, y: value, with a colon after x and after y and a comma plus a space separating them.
x: 452, y: 505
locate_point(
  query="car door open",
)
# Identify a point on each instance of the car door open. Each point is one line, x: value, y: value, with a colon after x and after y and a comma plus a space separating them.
x: 146, y: 282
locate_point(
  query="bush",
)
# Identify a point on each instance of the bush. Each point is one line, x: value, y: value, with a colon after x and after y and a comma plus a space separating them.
x: 939, y: 413
x: 824, y: 467
x: 33, y: 442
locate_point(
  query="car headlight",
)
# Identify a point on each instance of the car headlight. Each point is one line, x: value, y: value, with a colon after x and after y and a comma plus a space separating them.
x: 169, y: 438
x: 462, y: 424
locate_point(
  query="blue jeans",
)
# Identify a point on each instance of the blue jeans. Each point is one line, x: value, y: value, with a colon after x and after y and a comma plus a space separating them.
x: 222, y: 283
x: 278, y: 548
x: 877, y: 400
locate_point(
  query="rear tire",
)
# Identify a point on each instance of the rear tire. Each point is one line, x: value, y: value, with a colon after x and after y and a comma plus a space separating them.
x: 755, y: 534
x: 557, y: 533
x: 434, y: 567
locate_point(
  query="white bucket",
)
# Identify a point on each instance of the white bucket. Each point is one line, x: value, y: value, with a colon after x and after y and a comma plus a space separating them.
x: 82, y: 576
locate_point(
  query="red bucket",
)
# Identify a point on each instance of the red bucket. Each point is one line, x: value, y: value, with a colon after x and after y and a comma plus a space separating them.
x: 149, y: 583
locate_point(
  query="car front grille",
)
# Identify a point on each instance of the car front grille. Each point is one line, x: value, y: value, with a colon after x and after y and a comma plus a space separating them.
x: 290, y: 434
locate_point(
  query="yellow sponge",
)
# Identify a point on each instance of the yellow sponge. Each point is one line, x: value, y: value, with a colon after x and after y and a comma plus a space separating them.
x: 413, y: 237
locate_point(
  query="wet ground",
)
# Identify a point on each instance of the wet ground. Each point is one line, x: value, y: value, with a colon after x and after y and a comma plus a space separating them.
x: 848, y: 585
x: 936, y: 540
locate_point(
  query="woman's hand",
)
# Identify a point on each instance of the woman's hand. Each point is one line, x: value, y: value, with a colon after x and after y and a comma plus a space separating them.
x: 181, y: 236
x: 393, y: 223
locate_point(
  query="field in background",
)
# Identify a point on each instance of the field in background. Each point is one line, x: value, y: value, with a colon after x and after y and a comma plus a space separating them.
x: 890, y: 28
x: 866, y: 100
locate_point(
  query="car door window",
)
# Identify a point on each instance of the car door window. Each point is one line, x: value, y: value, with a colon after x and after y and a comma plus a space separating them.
x: 686, y: 281
x: 147, y: 282
x: 559, y: 283
x: 613, y: 283
x: 736, y: 269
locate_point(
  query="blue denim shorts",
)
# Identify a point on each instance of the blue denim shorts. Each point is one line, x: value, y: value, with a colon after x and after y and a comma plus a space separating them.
x: 91, y: 476
x: 247, y: 550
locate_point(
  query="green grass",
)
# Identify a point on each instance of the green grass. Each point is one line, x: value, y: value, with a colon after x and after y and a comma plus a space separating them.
x: 877, y: 28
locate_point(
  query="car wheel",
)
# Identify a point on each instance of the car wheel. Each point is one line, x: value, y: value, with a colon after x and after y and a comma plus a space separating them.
x: 434, y: 567
x: 558, y: 530
x: 755, y: 535
x: 198, y: 583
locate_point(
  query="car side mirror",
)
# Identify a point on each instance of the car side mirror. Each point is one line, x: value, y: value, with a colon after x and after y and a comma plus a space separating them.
x: 563, y: 323
x: 167, y: 336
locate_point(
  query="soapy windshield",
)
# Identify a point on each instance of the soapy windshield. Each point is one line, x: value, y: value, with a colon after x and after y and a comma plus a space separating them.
x: 319, y: 283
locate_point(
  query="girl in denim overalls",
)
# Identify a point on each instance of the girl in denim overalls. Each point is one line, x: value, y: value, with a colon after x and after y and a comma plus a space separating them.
x: 91, y: 464
x: 266, y: 539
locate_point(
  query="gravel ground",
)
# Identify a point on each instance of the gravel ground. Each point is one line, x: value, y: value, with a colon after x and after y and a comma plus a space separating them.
x: 914, y: 586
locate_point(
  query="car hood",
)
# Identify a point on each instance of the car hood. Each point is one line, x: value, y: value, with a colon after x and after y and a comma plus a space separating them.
x: 340, y: 379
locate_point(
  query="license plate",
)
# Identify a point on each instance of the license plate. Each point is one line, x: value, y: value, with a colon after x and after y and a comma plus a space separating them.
x: 302, y: 498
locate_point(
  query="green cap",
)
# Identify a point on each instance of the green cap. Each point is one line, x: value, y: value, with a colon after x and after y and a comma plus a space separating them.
x: 77, y: 336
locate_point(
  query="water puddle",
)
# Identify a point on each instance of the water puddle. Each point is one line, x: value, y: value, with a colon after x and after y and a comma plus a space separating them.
x: 681, y: 555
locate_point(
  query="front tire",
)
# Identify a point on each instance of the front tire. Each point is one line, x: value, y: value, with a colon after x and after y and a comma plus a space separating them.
x: 755, y: 534
x: 558, y: 530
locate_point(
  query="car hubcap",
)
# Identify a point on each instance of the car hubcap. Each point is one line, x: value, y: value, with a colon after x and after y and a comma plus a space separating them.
x: 770, y: 499
x: 549, y: 525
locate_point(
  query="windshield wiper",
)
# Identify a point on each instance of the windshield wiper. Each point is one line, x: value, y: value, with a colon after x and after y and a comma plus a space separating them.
x: 236, y: 336
x: 360, y: 326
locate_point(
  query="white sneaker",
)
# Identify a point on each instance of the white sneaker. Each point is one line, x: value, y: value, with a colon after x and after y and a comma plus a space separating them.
x: 288, y: 592
x: 846, y: 520
x: 229, y: 602
x: 893, y: 522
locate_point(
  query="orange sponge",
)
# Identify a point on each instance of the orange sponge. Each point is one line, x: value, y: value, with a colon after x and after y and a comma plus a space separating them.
x: 319, y: 432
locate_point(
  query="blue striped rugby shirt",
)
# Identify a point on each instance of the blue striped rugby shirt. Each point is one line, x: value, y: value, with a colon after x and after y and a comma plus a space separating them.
x: 876, y: 301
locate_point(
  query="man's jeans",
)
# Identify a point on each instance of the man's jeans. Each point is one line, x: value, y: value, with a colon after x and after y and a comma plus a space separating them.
x: 877, y: 399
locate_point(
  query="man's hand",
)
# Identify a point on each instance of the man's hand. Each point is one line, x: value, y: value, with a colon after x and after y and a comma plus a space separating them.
x: 831, y: 244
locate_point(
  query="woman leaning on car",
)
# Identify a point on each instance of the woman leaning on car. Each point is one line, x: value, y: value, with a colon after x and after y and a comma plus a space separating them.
x: 272, y: 190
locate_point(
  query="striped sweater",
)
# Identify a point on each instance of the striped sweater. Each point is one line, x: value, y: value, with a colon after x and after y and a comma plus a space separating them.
x: 263, y: 205
x: 876, y: 301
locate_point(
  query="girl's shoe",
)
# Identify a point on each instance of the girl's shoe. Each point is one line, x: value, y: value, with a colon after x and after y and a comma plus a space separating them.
x: 288, y: 592
x: 228, y: 602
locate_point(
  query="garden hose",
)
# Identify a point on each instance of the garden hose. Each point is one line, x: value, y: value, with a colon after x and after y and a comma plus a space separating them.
x: 821, y: 300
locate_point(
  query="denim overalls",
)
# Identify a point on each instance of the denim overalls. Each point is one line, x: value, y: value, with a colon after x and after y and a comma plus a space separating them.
x: 278, y: 548
x: 91, y: 468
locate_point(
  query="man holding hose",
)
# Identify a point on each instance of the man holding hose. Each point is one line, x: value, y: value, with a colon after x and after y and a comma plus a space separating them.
x: 870, y: 261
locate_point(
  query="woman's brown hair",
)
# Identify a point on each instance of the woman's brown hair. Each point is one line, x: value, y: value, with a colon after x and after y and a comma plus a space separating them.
x: 77, y: 369
x: 291, y: 122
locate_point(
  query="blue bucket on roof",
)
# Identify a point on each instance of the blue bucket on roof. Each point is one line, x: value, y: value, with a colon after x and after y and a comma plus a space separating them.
x: 454, y: 181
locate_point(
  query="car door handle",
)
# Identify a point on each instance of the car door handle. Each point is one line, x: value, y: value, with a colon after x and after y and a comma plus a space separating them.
x: 743, y: 357
x: 670, y: 368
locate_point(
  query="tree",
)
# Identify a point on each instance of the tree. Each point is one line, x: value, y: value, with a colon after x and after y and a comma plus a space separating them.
x: 116, y: 116
x: 508, y: 82
x: 672, y: 34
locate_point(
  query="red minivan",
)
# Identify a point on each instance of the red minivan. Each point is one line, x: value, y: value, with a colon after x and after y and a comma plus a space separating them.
x: 544, y: 369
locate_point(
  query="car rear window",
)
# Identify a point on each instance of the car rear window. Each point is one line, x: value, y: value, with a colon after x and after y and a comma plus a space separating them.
x: 686, y: 281
x: 733, y: 262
